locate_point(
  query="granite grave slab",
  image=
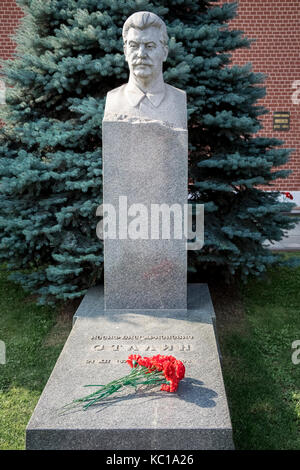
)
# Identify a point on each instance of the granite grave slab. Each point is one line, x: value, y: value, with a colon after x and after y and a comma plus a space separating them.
x: 195, y: 417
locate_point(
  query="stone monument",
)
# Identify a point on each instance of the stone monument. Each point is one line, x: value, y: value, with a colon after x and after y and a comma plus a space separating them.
x: 146, y: 307
x: 145, y: 151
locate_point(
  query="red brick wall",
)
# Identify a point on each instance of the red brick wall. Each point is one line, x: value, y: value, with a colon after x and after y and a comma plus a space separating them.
x: 9, y: 20
x: 275, y: 26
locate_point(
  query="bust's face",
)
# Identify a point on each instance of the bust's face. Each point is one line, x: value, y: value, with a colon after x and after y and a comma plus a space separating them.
x: 145, y: 53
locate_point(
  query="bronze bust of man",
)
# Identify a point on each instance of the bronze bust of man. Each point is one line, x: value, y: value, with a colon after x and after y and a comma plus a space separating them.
x: 146, y: 95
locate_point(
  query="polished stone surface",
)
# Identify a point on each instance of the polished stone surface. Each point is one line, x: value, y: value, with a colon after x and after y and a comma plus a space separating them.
x: 145, y: 163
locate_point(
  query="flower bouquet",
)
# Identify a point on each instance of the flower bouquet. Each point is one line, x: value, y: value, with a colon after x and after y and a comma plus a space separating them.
x: 166, y: 371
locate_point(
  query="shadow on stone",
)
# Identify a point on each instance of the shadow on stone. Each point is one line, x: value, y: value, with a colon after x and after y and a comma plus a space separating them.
x: 192, y: 391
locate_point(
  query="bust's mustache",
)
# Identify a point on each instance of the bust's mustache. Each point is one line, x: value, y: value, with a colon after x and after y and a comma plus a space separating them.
x: 140, y: 62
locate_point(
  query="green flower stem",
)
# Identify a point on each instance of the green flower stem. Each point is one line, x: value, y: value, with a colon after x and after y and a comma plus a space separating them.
x: 129, y: 378
x: 136, y: 377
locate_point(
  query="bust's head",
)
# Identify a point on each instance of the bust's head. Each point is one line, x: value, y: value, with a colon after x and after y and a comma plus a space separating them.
x: 145, y: 45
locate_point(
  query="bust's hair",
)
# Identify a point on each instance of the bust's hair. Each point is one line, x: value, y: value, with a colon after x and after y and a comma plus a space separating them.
x: 145, y: 19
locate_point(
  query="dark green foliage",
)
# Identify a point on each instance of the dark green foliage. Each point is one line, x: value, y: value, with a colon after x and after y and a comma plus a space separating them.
x: 69, y: 55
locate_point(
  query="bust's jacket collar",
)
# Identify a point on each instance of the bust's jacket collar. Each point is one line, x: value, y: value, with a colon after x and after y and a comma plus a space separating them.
x: 155, y: 95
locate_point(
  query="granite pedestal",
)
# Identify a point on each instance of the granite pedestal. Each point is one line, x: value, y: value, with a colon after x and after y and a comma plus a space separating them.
x: 145, y: 174
x: 196, y: 417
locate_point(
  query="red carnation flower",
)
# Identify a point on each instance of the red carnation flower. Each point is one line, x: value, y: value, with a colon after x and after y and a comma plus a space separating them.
x: 288, y: 195
x: 133, y: 360
x: 166, y: 371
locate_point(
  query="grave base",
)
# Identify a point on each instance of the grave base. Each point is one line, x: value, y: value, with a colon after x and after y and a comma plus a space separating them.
x: 196, y: 417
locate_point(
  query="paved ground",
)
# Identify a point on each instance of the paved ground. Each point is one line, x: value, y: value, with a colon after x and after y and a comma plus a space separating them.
x: 291, y: 242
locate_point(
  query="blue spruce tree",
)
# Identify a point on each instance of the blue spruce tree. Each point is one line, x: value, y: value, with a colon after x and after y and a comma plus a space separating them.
x: 68, y: 56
